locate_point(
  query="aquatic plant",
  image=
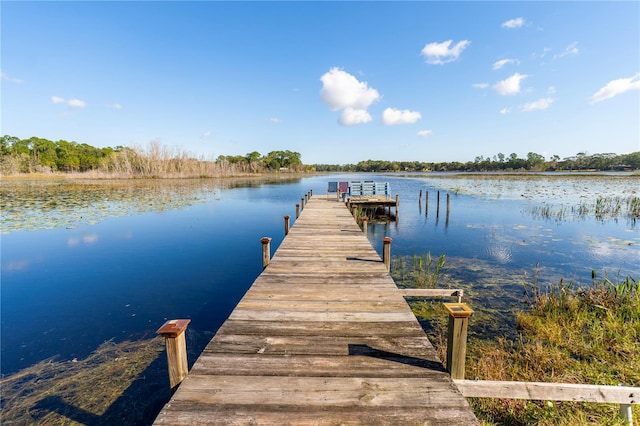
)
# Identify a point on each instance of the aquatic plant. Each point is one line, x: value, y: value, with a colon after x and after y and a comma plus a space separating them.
x: 418, y: 271
x: 603, y: 208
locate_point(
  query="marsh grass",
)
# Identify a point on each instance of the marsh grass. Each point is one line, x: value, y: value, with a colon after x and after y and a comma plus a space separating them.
x: 419, y: 271
x: 569, y: 335
x: 602, y: 209
x: 565, y: 334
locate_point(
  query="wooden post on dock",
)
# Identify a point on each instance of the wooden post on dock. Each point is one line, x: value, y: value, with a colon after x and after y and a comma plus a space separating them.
x: 306, y: 198
x: 173, y: 332
x: 286, y: 225
x: 266, y: 251
x: 364, y: 225
x: 397, y: 206
x: 297, y: 211
x: 459, y: 314
x: 310, y: 193
x: 386, y: 252
x: 302, y: 203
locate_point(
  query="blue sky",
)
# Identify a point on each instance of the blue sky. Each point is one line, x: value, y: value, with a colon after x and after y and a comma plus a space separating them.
x: 337, y: 82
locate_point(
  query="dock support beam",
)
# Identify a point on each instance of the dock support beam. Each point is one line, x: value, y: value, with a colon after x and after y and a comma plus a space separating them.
x: 297, y: 211
x: 459, y: 314
x: 386, y: 252
x: 364, y: 225
x: 173, y: 332
x: 286, y: 225
x: 266, y: 251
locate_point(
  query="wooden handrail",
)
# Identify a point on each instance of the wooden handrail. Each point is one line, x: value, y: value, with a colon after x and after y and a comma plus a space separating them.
x: 623, y: 395
x: 433, y: 292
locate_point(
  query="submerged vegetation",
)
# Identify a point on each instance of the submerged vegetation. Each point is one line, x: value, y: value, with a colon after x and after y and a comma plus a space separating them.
x: 565, y: 334
x: 603, y: 208
x: 124, y: 384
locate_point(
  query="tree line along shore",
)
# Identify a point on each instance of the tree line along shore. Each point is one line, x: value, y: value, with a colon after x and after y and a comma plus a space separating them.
x: 39, y: 155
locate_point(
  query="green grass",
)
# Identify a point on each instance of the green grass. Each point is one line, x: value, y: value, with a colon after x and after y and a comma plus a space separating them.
x: 569, y: 335
x: 565, y: 334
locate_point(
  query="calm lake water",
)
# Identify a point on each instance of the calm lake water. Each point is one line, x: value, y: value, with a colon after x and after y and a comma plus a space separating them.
x: 86, y: 262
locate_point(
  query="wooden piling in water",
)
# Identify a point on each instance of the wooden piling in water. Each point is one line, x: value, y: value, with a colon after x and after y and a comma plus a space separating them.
x: 459, y: 314
x: 173, y: 332
x: 426, y: 203
x: 448, y: 208
x: 397, y: 207
x: 386, y: 252
x: 286, y: 225
x: 364, y: 225
x: 297, y: 211
x: 266, y: 251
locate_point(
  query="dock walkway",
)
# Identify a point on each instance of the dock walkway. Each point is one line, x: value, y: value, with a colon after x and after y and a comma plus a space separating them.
x: 323, y: 337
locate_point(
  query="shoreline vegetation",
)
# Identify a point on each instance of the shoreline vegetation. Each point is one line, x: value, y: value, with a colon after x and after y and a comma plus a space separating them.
x: 45, y: 157
x: 564, y: 333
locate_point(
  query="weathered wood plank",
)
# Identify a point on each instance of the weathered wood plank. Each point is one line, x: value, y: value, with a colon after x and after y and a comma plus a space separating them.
x: 320, y: 366
x: 322, y: 329
x: 549, y: 391
x: 398, y: 392
x: 397, y: 347
x: 183, y: 413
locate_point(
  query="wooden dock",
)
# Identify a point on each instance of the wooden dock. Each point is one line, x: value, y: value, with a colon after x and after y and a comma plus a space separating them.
x: 323, y: 337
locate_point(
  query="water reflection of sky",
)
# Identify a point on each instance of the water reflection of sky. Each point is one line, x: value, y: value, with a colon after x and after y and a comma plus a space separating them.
x: 66, y: 291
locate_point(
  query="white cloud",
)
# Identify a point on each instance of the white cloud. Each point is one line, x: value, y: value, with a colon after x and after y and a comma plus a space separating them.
x: 115, y: 106
x: 425, y: 133
x: 352, y: 116
x: 205, y: 135
x: 441, y: 53
x: 480, y: 85
x: 342, y: 90
x: 616, y: 87
x: 551, y: 90
x: 392, y: 116
x: 511, y: 85
x: 505, y: 111
x: 540, y: 104
x: 275, y: 120
x: 513, y: 23
x: 57, y: 100
x: 76, y: 103
x: 502, y: 62
x: 7, y: 77
x: 572, y: 49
